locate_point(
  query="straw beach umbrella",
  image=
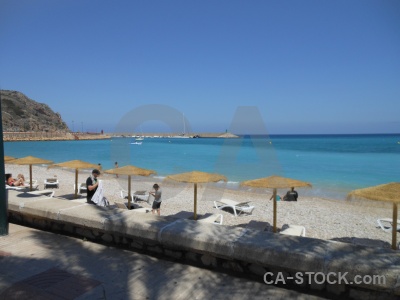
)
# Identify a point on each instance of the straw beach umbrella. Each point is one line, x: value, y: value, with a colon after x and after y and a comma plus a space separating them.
x: 30, y: 160
x: 196, y: 177
x: 75, y: 164
x: 389, y: 192
x: 275, y: 182
x: 130, y: 170
x: 8, y: 158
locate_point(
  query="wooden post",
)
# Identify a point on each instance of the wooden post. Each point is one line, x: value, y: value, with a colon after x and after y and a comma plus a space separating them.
x: 195, y: 201
x: 274, y: 221
x: 394, y: 227
x: 129, y: 192
x: 76, y: 183
x: 30, y: 177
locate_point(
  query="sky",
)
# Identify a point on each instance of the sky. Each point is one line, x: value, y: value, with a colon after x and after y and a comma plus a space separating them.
x: 304, y: 67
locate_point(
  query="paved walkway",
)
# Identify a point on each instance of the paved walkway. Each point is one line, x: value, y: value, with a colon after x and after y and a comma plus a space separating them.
x: 40, y: 265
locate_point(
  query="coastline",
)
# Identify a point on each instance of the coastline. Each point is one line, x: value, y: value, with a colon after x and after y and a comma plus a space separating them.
x: 70, y: 136
x: 347, y: 221
x: 54, y: 136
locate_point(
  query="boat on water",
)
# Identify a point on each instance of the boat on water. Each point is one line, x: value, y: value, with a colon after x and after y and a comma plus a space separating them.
x: 140, y: 137
x: 136, y: 143
x: 183, y: 135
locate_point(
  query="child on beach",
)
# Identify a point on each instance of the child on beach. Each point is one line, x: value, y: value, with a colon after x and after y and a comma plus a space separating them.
x: 157, y: 199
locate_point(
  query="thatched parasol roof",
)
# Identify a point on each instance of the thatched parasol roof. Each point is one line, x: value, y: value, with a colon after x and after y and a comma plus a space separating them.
x: 130, y: 170
x: 30, y: 160
x: 8, y: 158
x: 275, y: 182
x: 75, y: 164
x: 197, y: 177
x: 389, y: 192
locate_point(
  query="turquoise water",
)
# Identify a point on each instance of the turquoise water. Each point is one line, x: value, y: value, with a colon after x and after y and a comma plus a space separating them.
x: 334, y: 164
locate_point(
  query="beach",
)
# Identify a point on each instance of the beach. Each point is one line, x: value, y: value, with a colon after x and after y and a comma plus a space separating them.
x: 352, y: 221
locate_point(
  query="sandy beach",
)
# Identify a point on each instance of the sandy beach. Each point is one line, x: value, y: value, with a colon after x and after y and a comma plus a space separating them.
x: 340, y: 220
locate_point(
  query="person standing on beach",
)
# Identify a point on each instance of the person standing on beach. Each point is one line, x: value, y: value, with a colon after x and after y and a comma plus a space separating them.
x: 91, y: 184
x: 116, y: 166
x: 157, y: 199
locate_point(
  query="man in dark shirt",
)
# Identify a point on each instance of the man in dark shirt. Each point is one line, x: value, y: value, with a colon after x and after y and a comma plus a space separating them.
x: 291, y: 195
x: 91, y: 185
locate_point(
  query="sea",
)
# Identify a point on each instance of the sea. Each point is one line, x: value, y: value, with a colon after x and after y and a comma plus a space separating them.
x: 333, y: 164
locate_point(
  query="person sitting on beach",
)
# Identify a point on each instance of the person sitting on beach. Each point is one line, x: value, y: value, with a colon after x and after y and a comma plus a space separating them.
x: 91, y: 185
x: 157, y: 199
x: 15, y: 182
x: 291, y: 195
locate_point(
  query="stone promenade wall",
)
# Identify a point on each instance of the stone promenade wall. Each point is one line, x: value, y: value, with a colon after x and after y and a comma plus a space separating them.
x: 247, y: 252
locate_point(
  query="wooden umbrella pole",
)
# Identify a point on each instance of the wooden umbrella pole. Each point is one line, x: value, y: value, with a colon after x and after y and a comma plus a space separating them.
x: 76, y: 183
x: 129, y: 192
x: 195, y: 201
x: 30, y: 176
x: 394, y: 227
x: 274, y: 210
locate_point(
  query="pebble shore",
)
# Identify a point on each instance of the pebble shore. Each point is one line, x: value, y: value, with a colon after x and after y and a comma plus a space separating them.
x: 351, y: 221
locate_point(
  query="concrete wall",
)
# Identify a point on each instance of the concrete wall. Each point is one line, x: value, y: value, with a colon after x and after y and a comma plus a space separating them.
x: 249, y: 252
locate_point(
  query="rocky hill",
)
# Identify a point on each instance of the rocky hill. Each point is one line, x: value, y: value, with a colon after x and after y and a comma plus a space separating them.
x: 21, y: 114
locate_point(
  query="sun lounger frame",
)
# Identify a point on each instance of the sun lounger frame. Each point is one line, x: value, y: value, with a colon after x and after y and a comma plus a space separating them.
x: 242, y: 207
x: 387, y: 224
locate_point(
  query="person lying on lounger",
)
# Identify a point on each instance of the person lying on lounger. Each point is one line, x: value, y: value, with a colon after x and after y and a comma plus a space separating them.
x: 15, y: 182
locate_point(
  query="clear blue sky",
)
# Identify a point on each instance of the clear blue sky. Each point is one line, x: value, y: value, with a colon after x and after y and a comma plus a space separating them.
x: 308, y: 66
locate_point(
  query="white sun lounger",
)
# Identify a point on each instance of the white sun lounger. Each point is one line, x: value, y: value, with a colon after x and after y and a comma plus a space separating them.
x: 53, y: 182
x: 81, y: 188
x: 213, y: 219
x: 236, y: 206
x: 35, y: 185
x: 24, y: 193
x: 26, y: 187
x: 48, y: 193
x: 387, y: 224
x: 294, y: 230
x: 137, y: 196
